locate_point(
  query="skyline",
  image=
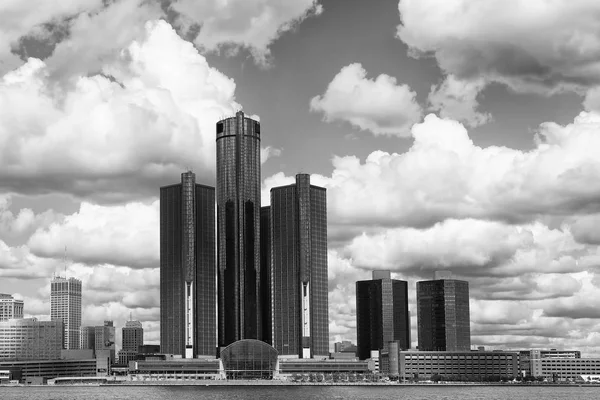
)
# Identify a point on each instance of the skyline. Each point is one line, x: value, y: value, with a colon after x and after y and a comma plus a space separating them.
x: 89, y: 134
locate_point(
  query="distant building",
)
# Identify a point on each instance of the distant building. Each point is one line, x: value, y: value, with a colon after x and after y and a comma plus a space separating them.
x: 526, y: 357
x: 105, y: 340
x: 187, y: 268
x: 10, y: 308
x: 381, y: 313
x: 564, y: 369
x: 345, y: 346
x: 473, y: 366
x: 65, y: 306
x: 49, y: 369
x: 238, y: 229
x: 443, y: 316
x: 133, y: 336
x: 30, y: 339
x: 88, y: 337
x: 299, y: 286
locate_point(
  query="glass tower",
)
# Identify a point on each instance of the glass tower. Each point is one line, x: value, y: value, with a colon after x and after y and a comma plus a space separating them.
x: 381, y: 314
x: 187, y: 268
x: 443, y: 315
x: 238, y: 229
x: 65, y: 306
x: 298, y: 229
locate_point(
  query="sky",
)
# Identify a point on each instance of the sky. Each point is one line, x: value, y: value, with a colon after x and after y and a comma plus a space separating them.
x: 450, y: 135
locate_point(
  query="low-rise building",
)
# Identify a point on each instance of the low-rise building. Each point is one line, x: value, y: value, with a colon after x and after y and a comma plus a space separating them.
x: 565, y: 369
x: 525, y: 357
x: 472, y: 366
x: 10, y: 308
x: 51, y: 368
x: 30, y: 339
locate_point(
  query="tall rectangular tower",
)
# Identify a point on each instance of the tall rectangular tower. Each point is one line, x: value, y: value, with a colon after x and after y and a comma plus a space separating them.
x: 187, y: 268
x: 65, y: 306
x: 300, y: 322
x: 443, y: 315
x: 265, y: 272
x: 381, y: 314
x: 238, y: 229
x: 132, y: 336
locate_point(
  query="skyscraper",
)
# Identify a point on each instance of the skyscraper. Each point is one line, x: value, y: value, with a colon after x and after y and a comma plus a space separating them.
x: 65, y: 305
x: 238, y: 229
x: 10, y: 307
x: 300, y: 323
x: 30, y: 339
x: 187, y: 268
x: 443, y: 315
x: 105, y: 340
x: 265, y: 272
x: 381, y: 313
x: 133, y: 336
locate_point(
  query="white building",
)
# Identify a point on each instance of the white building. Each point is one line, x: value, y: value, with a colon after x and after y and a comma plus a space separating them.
x: 10, y: 308
x: 65, y: 305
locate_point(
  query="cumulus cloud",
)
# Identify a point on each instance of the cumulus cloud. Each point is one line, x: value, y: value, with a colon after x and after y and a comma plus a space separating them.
x: 19, y: 262
x: 250, y: 24
x: 540, y: 47
x: 117, y: 135
x: 268, y: 152
x: 21, y: 225
x: 19, y: 18
x: 378, y: 105
x: 120, y: 235
x: 444, y: 175
x: 457, y: 99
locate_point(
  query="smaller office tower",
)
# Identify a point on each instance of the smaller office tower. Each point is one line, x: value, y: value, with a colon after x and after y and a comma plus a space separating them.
x: 381, y: 314
x: 65, y: 305
x: 10, y: 308
x: 133, y: 336
x: 105, y: 340
x: 299, y: 269
x: 88, y: 337
x: 29, y: 339
x: 443, y: 318
x: 187, y: 269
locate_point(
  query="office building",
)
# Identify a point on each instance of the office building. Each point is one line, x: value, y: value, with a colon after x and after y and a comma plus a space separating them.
x: 443, y: 315
x: 381, y: 314
x: 300, y: 322
x: 105, y: 340
x: 565, y: 369
x: 187, y: 268
x: 345, y: 346
x: 238, y: 229
x: 133, y: 336
x: 88, y: 337
x: 265, y: 273
x: 65, y: 306
x: 10, y: 308
x: 30, y: 339
x: 526, y: 357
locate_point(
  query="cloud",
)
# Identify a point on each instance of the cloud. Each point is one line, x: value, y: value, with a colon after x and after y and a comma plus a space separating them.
x: 541, y: 47
x: 125, y: 235
x: 19, y: 262
x: 444, y: 175
x: 20, y: 226
x: 377, y: 105
x: 457, y: 99
x: 268, y: 152
x: 118, y: 135
x: 249, y: 24
x: 19, y: 18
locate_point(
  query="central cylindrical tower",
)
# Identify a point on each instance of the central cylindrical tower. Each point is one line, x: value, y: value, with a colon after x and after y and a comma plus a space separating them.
x: 238, y: 226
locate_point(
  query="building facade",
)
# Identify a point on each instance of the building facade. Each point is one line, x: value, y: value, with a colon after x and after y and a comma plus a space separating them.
x: 299, y: 287
x: 265, y: 274
x: 187, y: 268
x: 30, y: 339
x: 564, y: 369
x: 10, y: 308
x: 381, y: 314
x: 443, y: 315
x: 65, y: 306
x: 238, y: 229
x: 133, y: 336
x: 472, y: 366
x: 105, y: 340
x: 88, y: 337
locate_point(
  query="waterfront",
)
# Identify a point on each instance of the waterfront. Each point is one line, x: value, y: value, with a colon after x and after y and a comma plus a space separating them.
x: 299, y: 392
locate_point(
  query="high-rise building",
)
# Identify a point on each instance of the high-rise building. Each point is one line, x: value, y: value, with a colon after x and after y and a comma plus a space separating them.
x: 300, y: 322
x: 133, y: 336
x: 10, y: 308
x: 65, y: 305
x: 187, y: 268
x: 105, y: 340
x: 265, y: 272
x: 88, y: 337
x: 443, y: 314
x: 238, y: 229
x: 381, y: 314
x: 30, y: 339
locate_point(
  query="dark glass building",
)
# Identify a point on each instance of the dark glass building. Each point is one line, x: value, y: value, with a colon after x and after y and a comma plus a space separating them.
x: 265, y: 272
x: 443, y: 315
x: 238, y: 229
x: 300, y: 321
x: 381, y: 314
x: 187, y: 268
